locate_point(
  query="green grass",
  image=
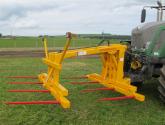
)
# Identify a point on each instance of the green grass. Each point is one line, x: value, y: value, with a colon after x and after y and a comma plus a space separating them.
x: 56, y: 41
x: 35, y: 42
x: 85, y: 109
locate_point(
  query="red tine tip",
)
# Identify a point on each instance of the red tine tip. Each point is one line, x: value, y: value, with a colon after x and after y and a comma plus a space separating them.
x: 33, y: 102
x: 44, y: 91
x: 81, y: 77
x: 96, y: 89
x: 81, y: 83
x: 22, y: 77
x: 24, y: 83
x: 116, y: 98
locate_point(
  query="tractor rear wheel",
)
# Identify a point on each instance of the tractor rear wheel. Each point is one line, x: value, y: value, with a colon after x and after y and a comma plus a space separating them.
x: 161, y: 87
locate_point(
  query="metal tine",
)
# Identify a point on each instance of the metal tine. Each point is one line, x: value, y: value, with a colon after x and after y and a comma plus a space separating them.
x: 34, y: 77
x: 116, y: 98
x: 33, y: 102
x: 42, y: 91
x: 25, y: 83
x: 80, y: 77
x: 96, y: 89
x: 82, y: 83
x: 22, y: 77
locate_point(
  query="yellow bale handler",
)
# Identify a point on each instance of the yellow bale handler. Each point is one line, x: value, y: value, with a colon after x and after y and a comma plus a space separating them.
x: 111, y: 77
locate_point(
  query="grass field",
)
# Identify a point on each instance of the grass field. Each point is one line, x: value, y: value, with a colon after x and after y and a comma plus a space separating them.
x: 35, y: 42
x: 54, y: 41
x: 84, y: 110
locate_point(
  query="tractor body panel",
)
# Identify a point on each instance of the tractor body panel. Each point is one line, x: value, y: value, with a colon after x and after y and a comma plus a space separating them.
x: 151, y: 38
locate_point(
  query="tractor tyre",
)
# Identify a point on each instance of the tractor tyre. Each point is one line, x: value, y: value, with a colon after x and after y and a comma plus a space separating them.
x: 161, y: 87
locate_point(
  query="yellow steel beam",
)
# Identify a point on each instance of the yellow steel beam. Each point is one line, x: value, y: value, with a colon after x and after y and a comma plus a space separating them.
x: 46, y: 47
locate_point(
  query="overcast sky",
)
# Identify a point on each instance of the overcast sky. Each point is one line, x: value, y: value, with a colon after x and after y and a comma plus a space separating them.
x: 53, y: 17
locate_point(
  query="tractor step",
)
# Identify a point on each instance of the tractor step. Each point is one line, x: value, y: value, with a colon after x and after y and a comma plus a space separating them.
x: 116, y: 98
x: 96, y: 89
x: 33, y: 103
x: 43, y: 91
x: 24, y: 82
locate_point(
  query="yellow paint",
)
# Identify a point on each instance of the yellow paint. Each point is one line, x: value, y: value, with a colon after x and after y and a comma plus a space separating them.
x: 112, y: 75
x: 45, y: 47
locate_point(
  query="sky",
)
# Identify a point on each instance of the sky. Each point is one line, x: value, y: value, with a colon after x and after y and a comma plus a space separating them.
x: 56, y: 17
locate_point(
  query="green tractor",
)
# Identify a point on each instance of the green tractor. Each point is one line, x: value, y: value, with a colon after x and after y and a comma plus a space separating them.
x: 145, y: 57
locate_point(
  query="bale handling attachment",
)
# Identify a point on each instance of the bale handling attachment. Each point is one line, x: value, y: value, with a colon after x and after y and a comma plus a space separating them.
x: 111, y: 77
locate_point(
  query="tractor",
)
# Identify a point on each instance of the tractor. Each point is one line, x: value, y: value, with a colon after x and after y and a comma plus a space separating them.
x: 145, y: 57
